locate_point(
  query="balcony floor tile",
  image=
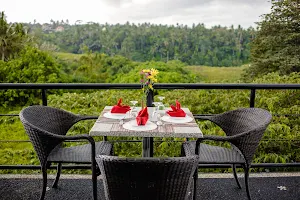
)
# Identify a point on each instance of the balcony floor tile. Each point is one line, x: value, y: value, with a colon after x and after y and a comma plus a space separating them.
x: 210, y: 187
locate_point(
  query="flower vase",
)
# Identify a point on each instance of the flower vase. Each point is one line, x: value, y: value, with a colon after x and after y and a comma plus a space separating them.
x: 149, y: 98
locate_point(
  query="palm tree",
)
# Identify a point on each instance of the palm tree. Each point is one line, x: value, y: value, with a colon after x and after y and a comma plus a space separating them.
x: 13, y: 37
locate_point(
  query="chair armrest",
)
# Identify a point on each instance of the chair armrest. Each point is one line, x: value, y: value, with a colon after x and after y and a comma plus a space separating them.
x: 203, y: 117
x: 223, y: 138
x: 215, y: 138
x: 87, y: 117
x: 218, y: 138
x: 79, y: 137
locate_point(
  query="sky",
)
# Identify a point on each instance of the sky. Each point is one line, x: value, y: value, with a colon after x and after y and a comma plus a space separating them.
x: 186, y: 12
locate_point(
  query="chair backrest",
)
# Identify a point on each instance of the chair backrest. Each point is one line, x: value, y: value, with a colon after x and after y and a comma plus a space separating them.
x: 147, y: 178
x: 251, y: 121
x: 41, y: 123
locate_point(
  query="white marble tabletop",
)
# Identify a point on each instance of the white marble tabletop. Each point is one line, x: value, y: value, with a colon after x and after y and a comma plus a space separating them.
x: 112, y: 127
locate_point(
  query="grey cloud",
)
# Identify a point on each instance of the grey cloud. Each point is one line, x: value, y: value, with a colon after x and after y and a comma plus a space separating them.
x: 209, y: 12
x: 115, y: 3
x: 165, y: 8
x: 156, y: 9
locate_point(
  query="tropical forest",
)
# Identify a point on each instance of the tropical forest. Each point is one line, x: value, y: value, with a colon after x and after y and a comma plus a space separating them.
x: 60, y: 52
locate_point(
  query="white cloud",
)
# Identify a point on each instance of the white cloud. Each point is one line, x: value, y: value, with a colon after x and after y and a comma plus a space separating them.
x: 209, y: 12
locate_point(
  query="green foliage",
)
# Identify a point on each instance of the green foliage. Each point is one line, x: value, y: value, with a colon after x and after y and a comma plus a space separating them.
x: 126, y: 71
x: 197, y: 45
x: 31, y: 66
x: 277, y: 44
x: 13, y: 38
x: 170, y: 72
x: 100, y: 68
x: 217, y: 74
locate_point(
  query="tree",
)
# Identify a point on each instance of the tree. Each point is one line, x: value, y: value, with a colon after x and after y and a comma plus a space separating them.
x: 147, y: 42
x: 31, y: 66
x: 13, y: 38
x: 276, y: 47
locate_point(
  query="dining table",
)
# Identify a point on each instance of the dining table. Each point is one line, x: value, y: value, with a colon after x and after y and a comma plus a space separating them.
x: 109, y: 124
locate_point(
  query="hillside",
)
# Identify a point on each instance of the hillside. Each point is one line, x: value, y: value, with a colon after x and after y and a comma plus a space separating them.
x: 206, y: 73
x: 218, y: 74
x: 197, y: 45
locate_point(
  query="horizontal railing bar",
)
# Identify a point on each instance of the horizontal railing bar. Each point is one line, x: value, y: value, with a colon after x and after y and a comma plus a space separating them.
x: 119, y: 141
x: 35, y: 167
x: 16, y: 141
x: 138, y: 86
x: 86, y: 166
x: 195, y: 115
x: 262, y: 165
x: 254, y: 165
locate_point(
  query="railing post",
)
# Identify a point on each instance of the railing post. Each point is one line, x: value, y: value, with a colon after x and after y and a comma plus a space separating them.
x: 44, y: 97
x: 252, y: 98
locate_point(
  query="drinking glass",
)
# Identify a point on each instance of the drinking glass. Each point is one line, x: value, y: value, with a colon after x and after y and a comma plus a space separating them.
x: 161, y: 98
x: 159, y: 122
x: 161, y: 105
x: 133, y: 109
x: 155, y: 111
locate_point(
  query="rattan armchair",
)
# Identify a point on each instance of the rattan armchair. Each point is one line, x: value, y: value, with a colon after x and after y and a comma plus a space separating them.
x: 244, y: 129
x: 47, y: 128
x: 147, y: 178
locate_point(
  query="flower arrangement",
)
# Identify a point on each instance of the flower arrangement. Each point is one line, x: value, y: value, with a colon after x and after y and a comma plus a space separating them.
x: 148, y: 78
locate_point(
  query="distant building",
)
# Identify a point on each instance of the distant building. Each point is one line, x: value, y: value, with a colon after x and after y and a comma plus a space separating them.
x: 47, y: 28
x: 59, y: 29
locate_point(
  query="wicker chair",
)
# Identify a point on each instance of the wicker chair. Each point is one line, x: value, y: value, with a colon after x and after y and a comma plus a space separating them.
x: 47, y: 128
x: 244, y: 129
x: 147, y: 178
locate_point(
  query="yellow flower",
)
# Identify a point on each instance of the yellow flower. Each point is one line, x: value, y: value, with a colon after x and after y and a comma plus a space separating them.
x: 150, y: 77
x: 154, y: 72
x: 146, y: 70
x: 150, y: 86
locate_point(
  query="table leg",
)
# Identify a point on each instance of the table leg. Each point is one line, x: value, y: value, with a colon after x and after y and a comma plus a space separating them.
x: 148, y: 147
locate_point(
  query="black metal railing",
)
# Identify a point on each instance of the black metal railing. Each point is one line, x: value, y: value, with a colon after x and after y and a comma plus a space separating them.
x: 46, y: 86
x: 69, y: 86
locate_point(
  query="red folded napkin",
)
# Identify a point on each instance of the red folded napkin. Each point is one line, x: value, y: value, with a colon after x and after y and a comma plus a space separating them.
x: 119, y: 108
x: 176, y: 111
x: 142, y: 117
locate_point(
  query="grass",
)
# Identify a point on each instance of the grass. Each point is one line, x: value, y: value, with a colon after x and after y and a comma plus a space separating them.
x: 67, y: 56
x: 218, y: 74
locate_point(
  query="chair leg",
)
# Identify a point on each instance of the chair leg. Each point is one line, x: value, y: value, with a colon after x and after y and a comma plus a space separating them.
x: 182, y: 154
x: 44, y: 172
x: 235, y: 176
x: 246, y: 169
x: 94, y: 179
x: 57, y: 175
x: 195, y: 183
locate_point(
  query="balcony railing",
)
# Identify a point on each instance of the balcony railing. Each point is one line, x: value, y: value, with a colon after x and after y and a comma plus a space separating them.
x: 43, y: 87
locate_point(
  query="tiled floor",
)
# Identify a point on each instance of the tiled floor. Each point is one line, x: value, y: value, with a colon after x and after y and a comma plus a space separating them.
x: 210, y: 187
